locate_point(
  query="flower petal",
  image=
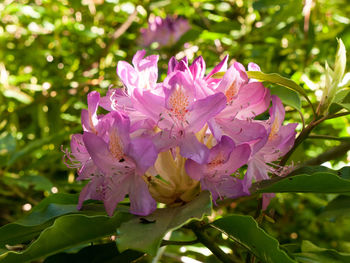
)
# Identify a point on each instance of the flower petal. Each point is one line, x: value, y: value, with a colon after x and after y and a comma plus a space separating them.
x: 141, y: 201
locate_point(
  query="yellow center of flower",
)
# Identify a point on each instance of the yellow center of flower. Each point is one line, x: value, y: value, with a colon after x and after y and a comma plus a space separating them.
x: 115, y: 146
x: 231, y: 92
x: 218, y: 160
x: 274, y: 128
x: 178, y: 103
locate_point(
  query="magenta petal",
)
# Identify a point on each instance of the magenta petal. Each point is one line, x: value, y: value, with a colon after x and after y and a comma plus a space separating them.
x: 266, y: 198
x: 198, y: 68
x: 222, y: 66
x: 144, y: 153
x: 149, y: 104
x: 194, y: 169
x: 117, y: 187
x: 253, y: 67
x: 121, y: 126
x: 137, y: 58
x: 238, y: 157
x: 205, y: 109
x: 277, y: 112
x: 93, y: 99
x: 242, y: 131
x: 172, y: 65
x: 99, y: 152
x: 93, y: 190
x: 141, y: 201
x: 191, y: 148
x: 223, y: 148
x: 128, y: 75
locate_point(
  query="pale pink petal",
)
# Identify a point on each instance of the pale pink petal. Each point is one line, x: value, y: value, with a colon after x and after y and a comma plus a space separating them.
x: 141, y: 201
x: 205, y: 109
x: 191, y: 148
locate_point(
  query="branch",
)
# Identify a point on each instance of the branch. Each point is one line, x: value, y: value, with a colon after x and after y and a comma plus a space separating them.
x: 327, y: 137
x: 178, y: 243
x: 206, y: 241
x: 331, y: 154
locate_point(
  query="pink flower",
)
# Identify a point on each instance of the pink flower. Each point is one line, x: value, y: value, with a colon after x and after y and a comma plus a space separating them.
x: 169, y: 140
x: 164, y: 31
x: 280, y: 141
x: 215, y: 175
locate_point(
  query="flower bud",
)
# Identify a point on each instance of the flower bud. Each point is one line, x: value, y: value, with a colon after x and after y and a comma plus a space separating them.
x: 333, y: 78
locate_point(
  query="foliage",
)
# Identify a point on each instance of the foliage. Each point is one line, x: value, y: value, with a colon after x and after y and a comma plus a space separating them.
x: 54, y: 52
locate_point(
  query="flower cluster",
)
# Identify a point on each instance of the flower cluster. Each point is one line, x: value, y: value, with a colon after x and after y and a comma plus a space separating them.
x: 165, y: 31
x: 165, y: 142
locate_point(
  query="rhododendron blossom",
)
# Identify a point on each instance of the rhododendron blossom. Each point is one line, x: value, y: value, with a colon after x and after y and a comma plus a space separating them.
x: 167, y: 141
x: 165, y: 31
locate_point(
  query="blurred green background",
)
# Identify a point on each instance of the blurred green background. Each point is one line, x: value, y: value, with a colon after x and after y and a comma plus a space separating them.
x: 52, y: 53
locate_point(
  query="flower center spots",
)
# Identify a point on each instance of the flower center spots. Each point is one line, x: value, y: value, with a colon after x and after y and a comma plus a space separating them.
x: 115, y: 146
x: 178, y: 103
x: 217, y: 161
x: 231, y: 92
x: 274, y: 129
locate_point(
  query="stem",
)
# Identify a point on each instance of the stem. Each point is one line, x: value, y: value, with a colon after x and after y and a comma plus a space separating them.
x: 331, y: 154
x: 178, y: 243
x: 306, y: 132
x: 210, y: 244
x: 302, y: 136
x: 327, y: 137
x: 332, y: 116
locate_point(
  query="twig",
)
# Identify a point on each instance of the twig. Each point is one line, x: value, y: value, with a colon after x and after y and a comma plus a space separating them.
x: 327, y: 137
x: 206, y: 241
x: 178, y: 243
x: 331, y: 154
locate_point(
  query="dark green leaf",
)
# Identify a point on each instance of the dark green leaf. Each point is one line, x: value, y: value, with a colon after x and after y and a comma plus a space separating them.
x: 40, y: 217
x: 66, y: 232
x: 311, y: 253
x: 279, y: 80
x: 132, y: 233
x: 339, y: 206
x: 96, y: 254
x: 245, y: 231
x: 303, y: 182
x: 288, y: 97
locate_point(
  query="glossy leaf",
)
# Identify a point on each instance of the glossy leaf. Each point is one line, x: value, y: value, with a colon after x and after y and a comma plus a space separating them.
x: 313, y: 182
x: 311, y: 253
x: 96, y: 254
x: 279, y: 80
x: 288, y: 97
x: 66, y: 232
x: 155, y: 226
x: 245, y: 231
x: 338, y: 207
x: 40, y: 217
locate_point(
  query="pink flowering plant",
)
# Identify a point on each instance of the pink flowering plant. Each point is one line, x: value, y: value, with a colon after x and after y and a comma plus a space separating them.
x: 159, y: 157
x: 164, y: 31
x: 168, y: 141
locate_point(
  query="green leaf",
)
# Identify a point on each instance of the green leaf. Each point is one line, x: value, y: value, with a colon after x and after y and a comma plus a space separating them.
x: 132, y: 233
x: 288, y: 97
x: 40, y: 217
x: 96, y: 254
x: 279, y: 80
x: 341, y: 100
x: 66, y: 232
x: 338, y: 207
x: 301, y: 181
x: 311, y: 253
x: 245, y: 231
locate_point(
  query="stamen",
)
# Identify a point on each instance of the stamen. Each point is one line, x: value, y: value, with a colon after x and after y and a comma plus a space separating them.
x: 115, y: 146
x: 179, y: 102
